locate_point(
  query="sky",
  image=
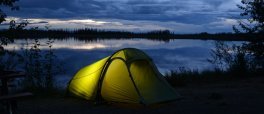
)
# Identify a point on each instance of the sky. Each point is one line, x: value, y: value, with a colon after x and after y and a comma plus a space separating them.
x: 178, y: 16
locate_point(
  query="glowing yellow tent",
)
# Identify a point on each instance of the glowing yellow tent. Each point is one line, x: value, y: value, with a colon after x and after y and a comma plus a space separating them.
x: 128, y: 76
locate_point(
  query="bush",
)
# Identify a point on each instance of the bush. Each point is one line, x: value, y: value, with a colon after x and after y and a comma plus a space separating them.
x: 183, y: 76
x: 40, y: 66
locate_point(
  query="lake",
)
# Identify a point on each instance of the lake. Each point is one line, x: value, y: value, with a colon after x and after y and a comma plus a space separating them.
x: 75, y: 54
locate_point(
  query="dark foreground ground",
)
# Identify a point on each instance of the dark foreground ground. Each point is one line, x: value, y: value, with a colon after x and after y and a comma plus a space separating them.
x: 240, y: 96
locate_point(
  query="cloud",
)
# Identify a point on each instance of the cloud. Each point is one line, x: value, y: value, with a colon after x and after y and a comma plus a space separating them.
x: 184, y: 14
x: 219, y: 25
x: 119, y: 9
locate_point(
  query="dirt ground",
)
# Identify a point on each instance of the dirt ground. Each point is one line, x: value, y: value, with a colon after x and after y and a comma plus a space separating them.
x: 241, y: 96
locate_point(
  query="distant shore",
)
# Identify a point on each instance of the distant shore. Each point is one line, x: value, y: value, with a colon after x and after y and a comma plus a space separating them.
x: 94, y: 34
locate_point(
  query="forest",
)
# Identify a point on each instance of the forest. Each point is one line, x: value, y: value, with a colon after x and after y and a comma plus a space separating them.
x: 93, y: 34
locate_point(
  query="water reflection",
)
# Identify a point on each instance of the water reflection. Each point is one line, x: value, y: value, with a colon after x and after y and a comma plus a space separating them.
x: 76, y: 54
x: 167, y: 55
x: 118, y: 44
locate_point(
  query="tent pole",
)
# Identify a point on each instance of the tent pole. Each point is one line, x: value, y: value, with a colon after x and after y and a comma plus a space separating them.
x: 142, y: 101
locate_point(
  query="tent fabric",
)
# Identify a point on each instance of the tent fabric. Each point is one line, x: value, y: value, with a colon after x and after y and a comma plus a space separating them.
x: 128, y: 76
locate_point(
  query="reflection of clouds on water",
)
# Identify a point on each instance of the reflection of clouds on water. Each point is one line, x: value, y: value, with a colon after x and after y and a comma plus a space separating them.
x: 189, y: 57
x: 74, y: 59
x: 167, y: 56
x: 115, y: 44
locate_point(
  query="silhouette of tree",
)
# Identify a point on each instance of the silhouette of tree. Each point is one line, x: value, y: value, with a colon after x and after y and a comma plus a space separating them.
x: 248, y: 57
x: 253, y: 10
x: 8, y: 3
x: 7, y: 58
x: 11, y: 4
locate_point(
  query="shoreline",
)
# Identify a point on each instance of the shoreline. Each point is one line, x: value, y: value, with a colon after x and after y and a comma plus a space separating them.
x: 94, y: 34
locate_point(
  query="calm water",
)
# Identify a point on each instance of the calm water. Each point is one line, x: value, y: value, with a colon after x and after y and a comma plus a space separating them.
x: 76, y: 54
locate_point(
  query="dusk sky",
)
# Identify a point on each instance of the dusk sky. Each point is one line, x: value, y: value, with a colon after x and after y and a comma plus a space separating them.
x: 179, y: 16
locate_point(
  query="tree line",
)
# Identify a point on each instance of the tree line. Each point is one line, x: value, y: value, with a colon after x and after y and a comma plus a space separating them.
x: 93, y: 34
